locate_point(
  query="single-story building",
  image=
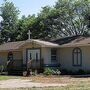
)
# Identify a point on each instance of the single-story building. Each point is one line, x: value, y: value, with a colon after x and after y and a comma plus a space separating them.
x: 16, y: 56
x: 71, y: 53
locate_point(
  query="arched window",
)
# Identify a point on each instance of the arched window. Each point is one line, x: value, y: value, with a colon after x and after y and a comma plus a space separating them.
x: 10, y: 56
x: 77, y: 57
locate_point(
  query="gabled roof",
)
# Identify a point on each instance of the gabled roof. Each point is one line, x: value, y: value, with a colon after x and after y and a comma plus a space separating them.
x: 80, y: 41
x: 45, y: 43
x: 11, y: 45
x: 65, y: 40
x: 73, y: 41
x: 18, y: 44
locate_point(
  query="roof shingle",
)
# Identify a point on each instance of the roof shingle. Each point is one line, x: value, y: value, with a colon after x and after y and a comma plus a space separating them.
x: 18, y: 44
x: 80, y: 41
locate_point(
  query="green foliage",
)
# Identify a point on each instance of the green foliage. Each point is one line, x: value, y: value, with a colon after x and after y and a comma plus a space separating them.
x: 65, y: 18
x: 24, y: 24
x: 9, y: 14
x: 50, y: 71
x: 80, y: 71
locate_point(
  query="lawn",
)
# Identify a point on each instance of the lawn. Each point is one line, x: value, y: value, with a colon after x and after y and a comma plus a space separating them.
x: 7, y: 77
x: 73, y: 82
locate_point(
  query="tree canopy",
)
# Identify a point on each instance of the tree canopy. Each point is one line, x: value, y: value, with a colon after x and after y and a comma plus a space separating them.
x: 65, y: 18
x: 9, y: 14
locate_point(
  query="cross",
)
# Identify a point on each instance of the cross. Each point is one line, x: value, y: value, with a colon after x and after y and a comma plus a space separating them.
x: 29, y: 35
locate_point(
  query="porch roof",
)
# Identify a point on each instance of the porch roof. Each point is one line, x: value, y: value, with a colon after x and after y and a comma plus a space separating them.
x: 18, y: 44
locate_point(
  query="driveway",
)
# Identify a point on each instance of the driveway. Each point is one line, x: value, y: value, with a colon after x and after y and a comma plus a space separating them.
x: 19, y: 83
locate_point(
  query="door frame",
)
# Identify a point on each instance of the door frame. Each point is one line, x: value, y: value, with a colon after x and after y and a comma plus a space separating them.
x: 27, y: 53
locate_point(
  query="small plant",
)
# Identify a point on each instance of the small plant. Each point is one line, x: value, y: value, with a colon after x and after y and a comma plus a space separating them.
x: 50, y: 71
x: 35, y: 72
x: 58, y: 72
x: 25, y: 73
x: 1, y: 68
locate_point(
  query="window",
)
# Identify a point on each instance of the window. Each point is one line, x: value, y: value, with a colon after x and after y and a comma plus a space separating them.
x: 30, y: 56
x: 36, y: 56
x: 77, y: 57
x: 53, y: 55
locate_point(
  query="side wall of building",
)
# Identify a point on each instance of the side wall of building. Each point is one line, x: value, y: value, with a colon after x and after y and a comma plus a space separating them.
x: 66, y: 58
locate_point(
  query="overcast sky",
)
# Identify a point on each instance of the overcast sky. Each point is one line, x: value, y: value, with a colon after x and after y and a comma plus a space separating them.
x: 30, y: 6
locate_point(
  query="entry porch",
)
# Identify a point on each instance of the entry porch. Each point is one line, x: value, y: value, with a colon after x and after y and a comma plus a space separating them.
x: 30, y: 54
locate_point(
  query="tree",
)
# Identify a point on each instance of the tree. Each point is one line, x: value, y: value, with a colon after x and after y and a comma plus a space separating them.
x: 25, y: 24
x: 9, y: 13
x: 37, y: 25
x: 66, y: 18
x: 71, y: 19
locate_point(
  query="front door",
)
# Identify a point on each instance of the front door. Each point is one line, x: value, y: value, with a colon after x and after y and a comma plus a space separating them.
x: 33, y: 58
x: 34, y: 54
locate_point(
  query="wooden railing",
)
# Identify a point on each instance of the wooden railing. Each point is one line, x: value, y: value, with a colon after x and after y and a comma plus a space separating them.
x: 15, y: 64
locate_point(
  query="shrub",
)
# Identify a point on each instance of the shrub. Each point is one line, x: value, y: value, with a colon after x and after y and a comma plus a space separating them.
x: 64, y: 71
x: 88, y: 72
x: 57, y: 72
x: 80, y: 71
x: 67, y: 72
x: 1, y: 68
x: 50, y: 71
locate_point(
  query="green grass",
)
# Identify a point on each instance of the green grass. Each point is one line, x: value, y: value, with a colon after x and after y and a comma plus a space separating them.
x: 6, y: 77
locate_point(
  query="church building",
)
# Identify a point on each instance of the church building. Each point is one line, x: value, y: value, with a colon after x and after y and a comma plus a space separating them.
x: 71, y: 53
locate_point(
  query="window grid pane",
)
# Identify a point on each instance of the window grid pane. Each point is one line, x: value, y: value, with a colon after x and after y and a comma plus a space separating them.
x: 77, y: 56
x: 53, y: 55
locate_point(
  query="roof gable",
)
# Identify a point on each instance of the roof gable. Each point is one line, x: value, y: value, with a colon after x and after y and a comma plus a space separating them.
x: 18, y: 44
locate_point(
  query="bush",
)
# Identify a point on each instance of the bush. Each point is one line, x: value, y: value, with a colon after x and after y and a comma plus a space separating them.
x: 88, y: 72
x: 77, y: 72
x: 57, y: 72
x: 64, y: 72
x: 80, y: 71
x: 50, y: 71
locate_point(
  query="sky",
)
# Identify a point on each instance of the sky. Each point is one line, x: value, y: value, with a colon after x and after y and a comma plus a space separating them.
x: 29, y: 7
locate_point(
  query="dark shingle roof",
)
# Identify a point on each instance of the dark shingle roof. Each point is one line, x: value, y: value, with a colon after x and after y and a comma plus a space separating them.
x: 65, y: 40
x: 80, y: 41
